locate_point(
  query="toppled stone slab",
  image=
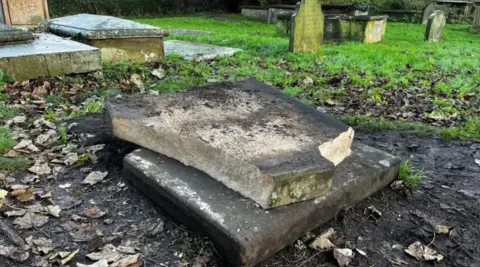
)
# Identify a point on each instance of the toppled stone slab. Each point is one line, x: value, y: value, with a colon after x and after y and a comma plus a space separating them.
x: 10, y: 35
x: 187, y: 32
x: 197, y: 51
x: 243, y: 233
x: 269, y: 147
x: 118, y: 39
x: 48, y: 55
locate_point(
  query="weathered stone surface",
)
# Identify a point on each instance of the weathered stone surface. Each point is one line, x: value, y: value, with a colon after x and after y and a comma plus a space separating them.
x: 427, y: 11
x: 255, y: 12
x: 476, y: 18
x: 187, y: 32
x: 435, y: 26
x: 249, y: 136
x: 48, y: 55
x: 366, y: 29
x: 118, y: 39
x: 307, y: 27
x: 9, y: 35
x: 284, y: 19
x: 25, y: 13
x: 243, y: 233
x: 197, y: 51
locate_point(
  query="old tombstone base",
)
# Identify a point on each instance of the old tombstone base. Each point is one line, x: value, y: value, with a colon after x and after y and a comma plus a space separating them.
x: 197, y: 51
x: 244, y: 233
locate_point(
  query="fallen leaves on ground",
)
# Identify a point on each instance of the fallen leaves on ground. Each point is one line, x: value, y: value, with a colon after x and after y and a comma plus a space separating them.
x: 14, y: 253
x: 94, y: 212
x: 95, y: 177
x: 423, y: 253
x: 100, y: 263
x: 30, y: 220
x: 323, y: 242
x: 343, y: 256
x: 63, y: 257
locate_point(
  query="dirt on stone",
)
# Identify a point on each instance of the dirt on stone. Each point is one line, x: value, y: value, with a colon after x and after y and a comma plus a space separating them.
x: 449, y: 195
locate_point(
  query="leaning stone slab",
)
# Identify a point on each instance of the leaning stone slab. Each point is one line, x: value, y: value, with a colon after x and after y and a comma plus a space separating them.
x: 197, y: 51
x: 118, y: 39
x: 427, y: 11
x: 435, y: 26
x: 307, y: 27
x: 249, y: 136
x: 243, y: 233
x: 10, y: 35
x: 48, y: 55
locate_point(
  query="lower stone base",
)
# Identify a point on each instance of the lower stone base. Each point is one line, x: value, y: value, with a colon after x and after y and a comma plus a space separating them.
x: 135, y: 49
x: 244, y: 233
x: 197, y: 51
x: 48, y: 55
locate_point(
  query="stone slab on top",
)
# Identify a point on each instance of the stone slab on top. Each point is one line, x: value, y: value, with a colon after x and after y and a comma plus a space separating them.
x: 198, y: 51
x: 243, y: 233
x: 9, y: 35
x: 267, y: 146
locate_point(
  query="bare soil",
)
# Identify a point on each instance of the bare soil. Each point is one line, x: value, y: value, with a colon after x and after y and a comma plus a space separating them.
x: 449, y: 195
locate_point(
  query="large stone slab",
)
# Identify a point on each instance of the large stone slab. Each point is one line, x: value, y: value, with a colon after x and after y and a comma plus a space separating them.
x: 269, y: 147
x: 48, y: 55
x: 198, y: 51
x: 243, y: 233
x: 365, y: 29
x: 25, y: 13
x: 307, y: 27
x: 9, y: 35
x: 118, y: 39
x: 435, y: 26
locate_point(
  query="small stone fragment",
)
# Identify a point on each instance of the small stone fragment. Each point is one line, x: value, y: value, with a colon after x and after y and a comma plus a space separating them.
x: 323, y: 242
x: 54, y: 210
x: 343, y: 256
x: 95, y: 177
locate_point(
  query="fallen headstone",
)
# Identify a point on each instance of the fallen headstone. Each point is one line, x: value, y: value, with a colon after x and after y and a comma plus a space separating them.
x: 267, y: 146
x: 118, y: 39
x: 243, y: 233
x: 187, y: 32
x: 48, y: 55
x: 435, y: 26
x: 307, y: 27
x: 197, y: 51
x: 10, y: 35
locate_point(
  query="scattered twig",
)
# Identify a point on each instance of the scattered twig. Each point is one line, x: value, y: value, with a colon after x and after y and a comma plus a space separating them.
x: 309, y: 259
x: 433, y: 240
x: 295, y: 261
x: 12, y: 234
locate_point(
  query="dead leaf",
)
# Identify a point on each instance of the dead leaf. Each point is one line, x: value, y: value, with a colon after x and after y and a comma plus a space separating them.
x: 54, y: 210
x: 42, y: 245
x: 19, y: 119
x: 323, y: 242
x: 64, y: 256
x: 30, y: 220
x: 41, y: 169
x: 14, y: 253
x: 69, y: 257
x: 159, y: 73
x: 15, y: 213
x: 71, y: 159
x: 128, y: 261
x: 423, y: 253
x: 109, y: 252
x: 26, y: 196
x: 94, y: 213
x: 100, y: 263
x: 26, y: 144
x: 95, y: 177
x: 343, y: 256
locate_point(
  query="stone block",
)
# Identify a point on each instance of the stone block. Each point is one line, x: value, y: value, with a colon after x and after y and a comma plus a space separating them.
x: 435, y: 26
x: 365, y: 29
x: 267, y: 146
x: 255, y: 12
x: 307, y: 27
x: 197, y: 51
x: 118, y: 39
x: 427, y: 11
x: 48, y: 55
x: 25, y: 13
x: 476, y: 19
x: 10, y: 35
x: 243, y: 233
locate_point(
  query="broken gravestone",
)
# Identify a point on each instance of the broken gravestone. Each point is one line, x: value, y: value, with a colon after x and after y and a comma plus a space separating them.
x: 197, y: 51
x: 117, y: 39
x: 10, y: 35
x: 435, y: 26
x: 307, y: 27
x: 267, y: 146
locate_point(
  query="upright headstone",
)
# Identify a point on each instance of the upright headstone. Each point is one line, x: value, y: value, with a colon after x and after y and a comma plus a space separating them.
x: 435, y: 26
x: 476, y: 18
x: 427, y: 11
x: 307, y: 27
x: 25, y: 13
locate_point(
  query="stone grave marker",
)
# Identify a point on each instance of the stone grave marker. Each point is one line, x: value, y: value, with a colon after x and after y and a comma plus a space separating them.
x: 283, y: 23
x: 476, y: 18
x: 187, y: 32
x: 10, y: 35
x: 307, y: 27
x: 268, y: 147
x: 435, y: 26
x: 25, y: 13
x: 197, y: 51
x: 427, y: 11
x: 118, y: 39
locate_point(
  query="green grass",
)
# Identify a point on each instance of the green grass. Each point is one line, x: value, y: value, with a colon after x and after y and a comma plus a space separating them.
x: 13, y: 164
x: 7, y: 112
x: 6, y: 140
x: 410, y: 177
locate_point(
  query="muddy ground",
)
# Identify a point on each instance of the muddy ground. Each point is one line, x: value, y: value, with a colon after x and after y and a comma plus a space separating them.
x: 449, y: 195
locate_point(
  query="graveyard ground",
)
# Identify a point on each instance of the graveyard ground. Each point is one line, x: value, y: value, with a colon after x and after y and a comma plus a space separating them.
x: 416, y: 100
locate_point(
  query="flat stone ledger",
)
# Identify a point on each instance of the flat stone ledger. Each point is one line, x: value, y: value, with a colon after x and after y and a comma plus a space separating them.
x: 365, y: 29
x: 307, y: 27
x: 48, y: 55
x: 11, y: 35
x: 198, y: 51
x: 267, y: 146
x: 117, y: 39
x: 243, y: 233
x: 435, y: 26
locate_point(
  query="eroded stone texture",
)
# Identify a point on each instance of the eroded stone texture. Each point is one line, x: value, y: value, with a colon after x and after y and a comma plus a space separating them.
x: 9, y: 35
x: 427, y: 11
x: 243, y: 233
x: 197, y: 51
x: 435, y: 26
x: 25, y: 13
x: 118, y: 39
x: 307, y: 27
x: 366, y: 29
x: 252, y: 138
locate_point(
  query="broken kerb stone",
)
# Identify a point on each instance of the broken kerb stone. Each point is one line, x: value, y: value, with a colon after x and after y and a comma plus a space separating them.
x: 10, y: 35
x: 118, y: 39
x: 249, y: 136
x: 198, y: 51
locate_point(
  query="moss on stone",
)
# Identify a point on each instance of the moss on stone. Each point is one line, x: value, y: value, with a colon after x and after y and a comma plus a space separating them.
x: 136, y: 49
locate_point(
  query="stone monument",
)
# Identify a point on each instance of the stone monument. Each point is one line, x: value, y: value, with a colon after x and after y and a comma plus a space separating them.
x: 307, y: 27
x: 117, y: 39
x: 435, y: 26
x: 25, y: 13
x: 427, y: 11
x: 476, y: 18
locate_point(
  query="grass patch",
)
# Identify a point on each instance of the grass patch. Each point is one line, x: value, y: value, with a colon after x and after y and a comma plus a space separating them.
x: 8, y: 112
x: 13, y: 164
x: 6, y: 140
x: 410, y: 177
